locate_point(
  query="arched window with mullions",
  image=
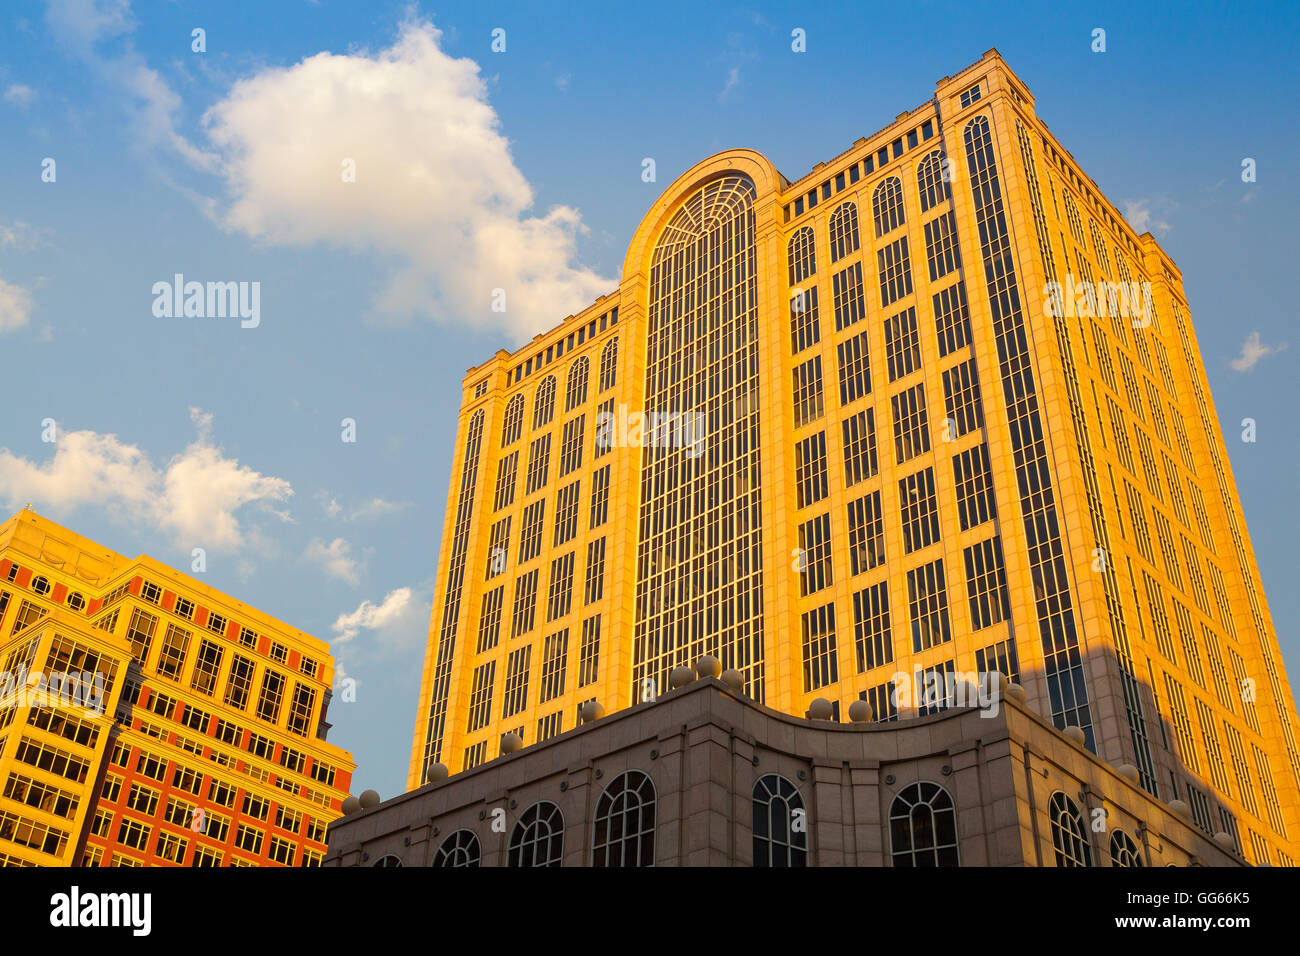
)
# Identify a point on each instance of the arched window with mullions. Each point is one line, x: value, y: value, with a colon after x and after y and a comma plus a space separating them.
x: 538, y: 837
x: 513, y: 425
x: 931, y: 182
x: 624, y: 831
x: 575, y: 390
x: 544, y: 403
x: 843, y: 231
x: 388, y: 859
x: 609, y: 364
x: 1069, y: 835
x: 460, y: 849
x: 802, y: 253
x: 887, y: 206
x: 923, y: 827
x: 1123, y: 851
x: 780, y: 823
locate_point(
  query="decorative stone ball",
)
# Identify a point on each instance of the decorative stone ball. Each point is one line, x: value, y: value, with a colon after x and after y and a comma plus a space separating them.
x: 820, y: 709
x: 369, y: 798
x: 734, y: 679
x: 1075, y: 735
x: 592, y: 710
x: 511, y: 742
x: 351, y: 805
x: 437, y: 772
x: 1225, y: 841
x: 708, y: 666
x: 1128, y: 772
x: 860, y: 712
x: 680, y: 677
x: 1180, y: 808
x: 1016, y: 693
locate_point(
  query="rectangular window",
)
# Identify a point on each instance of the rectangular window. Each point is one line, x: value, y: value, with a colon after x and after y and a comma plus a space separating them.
x: 961, y: 395
x: 805, y: 325
x: 1000, y: 657
x: 819, y: 664
x: 594, y: 586
x: 240, y: 682
x: 268, y: 701
x: 498, y: 548
x: 858, y: 433
x: 951, y: 319
x: 530, y: 537
x: 559, y: 588
x: 975, y: 504
x: 911, y: 428
x: 140, y: 633
x: 810, y: 469
x: 489, y: 622
x: 846, y: 293
x: 902, y: 346
x: 185, y: 608
x: 941, y: 249
x: 815, y: 555
x: 936, y: 689
x: 872, y: 634
x: 249, y: 839
x: 986, y: 584
x: 525, y: 604
x: 599, y: 497
x: 589, y: 651
x: 172, y: 656
x: 919, y: 510
x: 808, y: 392
x: 866, y: 534
x: 883, y: 699
x: 206, y: 667
x: 134, y: 834
x: 571, y: 445
x: 507, y: 472
x: 895, y: 272
x: 539, y: 460
x: 555, y: 657
x: 300, y: 711
x: 855, y: 368
x: 516, y: 689
x: 480, y: 697
x: 927, y: 598
x: 549, y: 726
x: 566, y: 513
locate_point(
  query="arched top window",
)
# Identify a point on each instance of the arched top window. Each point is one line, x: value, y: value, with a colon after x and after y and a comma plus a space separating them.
x: 513, y: 424
x: 538, y: 837
x: 460, y: 849
x: 1069, y: 835
x: 1099, y: 246
x: 1123, y: 851
x: 780, y: 823
x: 844, y: 231
x: 624, y: 831
x: 609, y: 364
x: 923, y: 827
x: 1072, y: 214
x: 931, y: 181
x: 388, y: 859
x: 575, y: 391
x: 544, y: 402
x: 887, y: 206
x: 802, y: 253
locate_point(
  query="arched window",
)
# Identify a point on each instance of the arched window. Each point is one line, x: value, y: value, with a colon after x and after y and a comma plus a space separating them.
x: 1099, y: 246
x: 544, y: 402
x: 802, y: 253
x: 780, y: 823
x: 575, y: 392
x: 930, y: 181
x: 1072, y: 214
x: 538, y: 837
x: 923, y: 827
x: 1069, y: 835
x: 1123, y: 851
x: 459, y: 849
x: 844, y: 231
x: 609, y: 364
x: 513, y: 425
x: 887, y: 206
x: 388, y: 860
x: 624, y: 832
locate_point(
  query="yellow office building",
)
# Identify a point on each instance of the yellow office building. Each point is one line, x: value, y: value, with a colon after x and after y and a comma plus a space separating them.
x: 933, y: 410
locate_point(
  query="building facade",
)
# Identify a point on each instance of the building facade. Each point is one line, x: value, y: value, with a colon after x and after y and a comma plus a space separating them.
x: 147, y: 719
x: 935, y: 409
x: 704, y: 777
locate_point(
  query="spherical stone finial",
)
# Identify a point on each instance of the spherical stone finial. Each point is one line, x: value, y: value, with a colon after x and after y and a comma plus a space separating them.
x: 1225, y: 841
x: 1016, y: 693
x: 860, y: 712
x: 436, y: 773
x: 708, y: 666
x: 511, y: 742
x: 1180, y: 808
x: 820, y: 709
x: 1128, y: 772
x: 734, y: 679
x: 368, y: 799
x: 592, y: 711
x: 1075, y: 735
x: 351, y: 805
x: 680, y: 677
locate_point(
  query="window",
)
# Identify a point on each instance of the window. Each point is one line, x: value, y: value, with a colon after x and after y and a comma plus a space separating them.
x: 515, y: 696
x: 846, y: 294
x: 538, y: 837
x: 802, y: 255
x: 970, y: 96
x: 513, y: 423
x: 779, y: 825
x: 480, y: 697
x: 844, y: 231
x: 539, y: 459
x: 171, y: 847
x: 594, y: 586
x: 185, y: 608
x: 1069, y: 836
x: 887, y: 206
x: 300, y: 711
x: 240, y: 682
x: 566, y: 514
x: 507, y: 474
x: 855, y: 368
x: 808, y: 392
x: 609, y: 364
x: 927, y: 599
x: 525, y: 604
x: 923, y: 827
x: 281, y: 851
x: 172, y: 656
x: 872, y: 635
x: 919, y: 510
x: 555, y: 657
x: 571, y: 445
x: 951, y: 319
x: 549, y: 726
x: 820, y: 666
x: 268, y: 702
x: 810, y: 469
x: 206, y: 668
x: 544, y: 403
x: 941, y: 251
x: 895, y: 272
x: 41, y: 585
x: 911, y: 429
x: 1000, y: 657
x: 866, y: 534
x: 575, y: 388
x: 805, y: 321
x: 559, y: 588
x: 489, y: 623
x: 961, y: 396
x: 460, y: 849
x: 134, y: 833
x: 815, y: 555
x: 599, y: 497
x: 932, y: 181
x: 623, y: 834
x: 249, y: 839
x: 589, y: 651
x: 140, y: 633
x: 986, y: 585
x: 975, y: 504
x: 902, y: 347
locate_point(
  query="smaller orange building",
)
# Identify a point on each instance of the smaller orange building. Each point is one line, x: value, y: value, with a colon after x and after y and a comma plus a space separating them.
x: 147, y: 719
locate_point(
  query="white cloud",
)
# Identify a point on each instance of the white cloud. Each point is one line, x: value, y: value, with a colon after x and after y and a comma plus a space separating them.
x: 335, y: 557
x: 195, y: 497
x: 374, y: 508
x: 1142, y: 218
x: 20, y: 95
x: 1252, y: 350
x: 436, y: 188
x: 15, y: 307
x: 387, y: 615
x: 733, y: 80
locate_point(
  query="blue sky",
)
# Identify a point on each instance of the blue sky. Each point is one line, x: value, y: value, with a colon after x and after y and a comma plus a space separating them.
x: 519, y: 169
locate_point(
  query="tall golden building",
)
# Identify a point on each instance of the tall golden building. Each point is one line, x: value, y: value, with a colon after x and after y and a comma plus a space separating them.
x: 147, y: 719
x: 933, y: 410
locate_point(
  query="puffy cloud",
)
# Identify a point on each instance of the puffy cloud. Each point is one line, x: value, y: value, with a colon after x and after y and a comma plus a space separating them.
x: 1252, y: 350
x: 195, y: 497
x: 20, y: 95
x: 436, y: 188
x: 389, y: 614
x: 335, y: 557
x: 1142, y: 218
x: 15, y: 307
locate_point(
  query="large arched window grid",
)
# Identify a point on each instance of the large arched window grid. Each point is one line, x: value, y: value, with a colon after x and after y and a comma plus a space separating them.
x: 513, y: 424
x: 538, y: 837
x: 844, y: 231
x: 623, y: 833
x: 802, y: 253
x: 575, y: 391
x: 1069, y: 834
x: 461, y: 849
x: 388, y: 859
x: 923, y: 827
x: 931, y: 181
x: 887, y: 206
x: 1072, y: 215
x: 544, y: 403
x: 609, y: 364
x: 1123, y: 851
x: 780, y: 823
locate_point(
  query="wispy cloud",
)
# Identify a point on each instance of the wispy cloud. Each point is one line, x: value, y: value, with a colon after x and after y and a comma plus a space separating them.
x: 1252, y: 350
x: 336, y: 558
x: 1143, y: 218
x: 20, y: 95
